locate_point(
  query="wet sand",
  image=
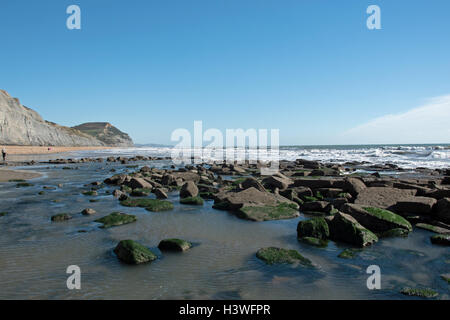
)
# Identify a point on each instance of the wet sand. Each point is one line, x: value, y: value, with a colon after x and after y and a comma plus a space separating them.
x: 12, y: 150
x: 7, y: 175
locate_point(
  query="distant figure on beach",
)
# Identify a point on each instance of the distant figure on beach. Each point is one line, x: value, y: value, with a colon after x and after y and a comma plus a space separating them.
x: 4, y: 154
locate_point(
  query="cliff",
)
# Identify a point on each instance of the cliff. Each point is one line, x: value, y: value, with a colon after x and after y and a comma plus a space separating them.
x: 20, y: 125
x: 106, y: 133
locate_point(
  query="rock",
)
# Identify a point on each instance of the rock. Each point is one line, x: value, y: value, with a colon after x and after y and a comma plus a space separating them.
x: 345, y: 228
x: 397, y: 232
x: 432, y: 228
x: 132, y: 252
x: 348, y: 254
x: 192, y: 200
x: 140, y: 192
x: 438, y: 194
x: 383, y: 197
x: 315, y: 227
x: 376, y: 219
x: 168, y: 180
x: 88, y: 212
x: 353, y: 186
x: 139, y: 183
x: 117, y: 193
x: 266, y: 213
x: 441, y: 239
x: 282, y: 256
x: 160, y: 194
x: 116, y: 219
x: 90, y: 193
x: 189, y: 189
x: 314, y: 183
x: 419, y: 292
x: 415, y: 205
x: 277, y: 182
x: 316, y: 206
x: 252, y: 182
x: 174, y: 245
x: 314, y: 241
x: 249, y: 197
x: 61, y: 217
x: 446, y: 277
x: 187, y: 176
x: 442, y: 210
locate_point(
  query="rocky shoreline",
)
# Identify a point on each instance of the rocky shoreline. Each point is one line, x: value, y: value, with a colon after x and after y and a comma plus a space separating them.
x: 353, y: 203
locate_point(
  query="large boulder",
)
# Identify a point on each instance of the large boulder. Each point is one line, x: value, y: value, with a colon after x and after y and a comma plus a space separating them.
x: 442, y: 210
x: 376, y: 219
x: 131, y: 252
x: 252, y: 182
x: 314, y: 228
x: 353, y: 186
x: 415, y: 205
x: 139, y: 183
x: 189, y: 189
x: 383, y: 197
x: 187, y: 176
x: 276, y: 181
x: 345, y: 228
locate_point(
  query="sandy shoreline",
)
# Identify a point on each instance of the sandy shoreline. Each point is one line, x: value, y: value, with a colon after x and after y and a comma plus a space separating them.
x: 7, y: 175
x: 11, y: 150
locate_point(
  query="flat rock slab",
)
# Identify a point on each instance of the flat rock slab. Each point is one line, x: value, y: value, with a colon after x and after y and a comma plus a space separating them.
x: 416, y: 205
x: 383, y: 197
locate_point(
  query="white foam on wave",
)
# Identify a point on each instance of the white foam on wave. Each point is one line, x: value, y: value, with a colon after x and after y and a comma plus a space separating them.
x: 404, y: 156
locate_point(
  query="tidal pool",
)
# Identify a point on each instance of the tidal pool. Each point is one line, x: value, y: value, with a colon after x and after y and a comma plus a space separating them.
x: 35, y: 252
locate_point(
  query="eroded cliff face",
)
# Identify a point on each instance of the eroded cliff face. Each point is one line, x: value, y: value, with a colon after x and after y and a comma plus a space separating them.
x: 20, y: 125
x: 106, y: 133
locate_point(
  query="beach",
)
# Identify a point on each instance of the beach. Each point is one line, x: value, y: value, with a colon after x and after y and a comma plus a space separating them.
x: 29, y: 150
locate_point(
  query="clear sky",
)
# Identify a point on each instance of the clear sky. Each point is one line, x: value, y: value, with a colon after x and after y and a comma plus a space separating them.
x: 310, y: 68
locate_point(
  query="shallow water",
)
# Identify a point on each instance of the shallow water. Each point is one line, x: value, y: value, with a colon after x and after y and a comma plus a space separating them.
x: 34, y: 252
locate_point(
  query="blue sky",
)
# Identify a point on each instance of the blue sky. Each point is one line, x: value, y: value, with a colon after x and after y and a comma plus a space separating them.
x: 310, y: 68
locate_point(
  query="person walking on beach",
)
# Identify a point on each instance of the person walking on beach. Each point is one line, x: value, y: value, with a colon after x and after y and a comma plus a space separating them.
x: 4, y: 154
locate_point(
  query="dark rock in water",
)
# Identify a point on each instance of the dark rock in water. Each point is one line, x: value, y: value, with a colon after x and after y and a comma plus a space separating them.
x: 315, y: 227
x: 140, y: 192
x: 345, y: 228
x: 376, y: 219
x: 354, y: 186
x: 397, y: 232
x: 432, y: 228
x: 189, y: 189
x: 174, y: 245
x: 441, y: 239
x: 419, y: 292
x: 192, y: 200
x: 348, y: 253
x: 132, y: 252
x: 252, y: 182
x: 23, y: 185
x: 61, y: 217
x: 160, y: 193
x: 383, y: 197
x: 415, y: 205
x: 321, y: 243
x: 117, y: 193
x: 90, y: 193
x: 88, y: 211
x: 116, y: 219
x: 266, y: 213
x: 446, y: 277
x: 282, y: 256
x: 442, y: 210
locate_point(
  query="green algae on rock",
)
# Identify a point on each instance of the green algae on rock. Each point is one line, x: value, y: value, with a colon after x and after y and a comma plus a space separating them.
x: 131, y: 252
x: 174, y: 245
x: 116, y: 219
x: 315, y: 228
x: 61, y: 217
x: 419, y: 292
x: 348, y: 253
x: 198, y: 201
x: 397, y: 232
x: 274, y: 255
x: 345, y: 228
x: 321, y: 243
x: 154, y: 205
x: 266, y: 213
x: 441, y: 239
x: 90, y: 193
